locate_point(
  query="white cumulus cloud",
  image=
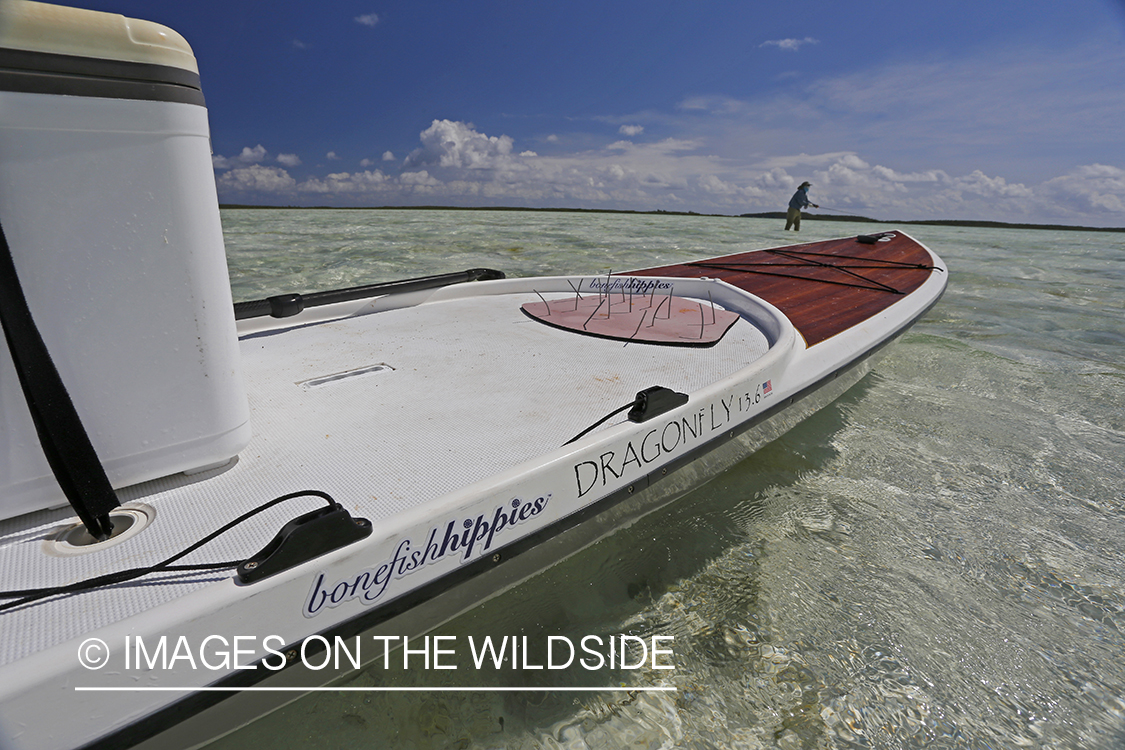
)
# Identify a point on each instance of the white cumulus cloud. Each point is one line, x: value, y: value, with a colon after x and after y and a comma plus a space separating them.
x: 367, y: 19
x: 421, y: 177
x: 457, y: 144
x: 1097, y: 189
x: 257, y: 179
x: 345, y: 183
x: 789, y: 44
x: 254, y: 155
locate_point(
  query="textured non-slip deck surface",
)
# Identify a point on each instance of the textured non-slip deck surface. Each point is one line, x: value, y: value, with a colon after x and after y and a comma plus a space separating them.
x: 385, y: 412
x: 853, y: 280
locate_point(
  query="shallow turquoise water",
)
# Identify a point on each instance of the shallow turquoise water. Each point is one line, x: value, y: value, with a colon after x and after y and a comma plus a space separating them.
x: 936, y: 560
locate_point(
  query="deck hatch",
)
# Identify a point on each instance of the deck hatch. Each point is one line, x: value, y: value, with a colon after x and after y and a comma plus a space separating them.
x: 360, y: 372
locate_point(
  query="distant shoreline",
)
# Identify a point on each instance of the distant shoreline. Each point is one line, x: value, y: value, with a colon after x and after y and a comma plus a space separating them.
x: 764, y: 215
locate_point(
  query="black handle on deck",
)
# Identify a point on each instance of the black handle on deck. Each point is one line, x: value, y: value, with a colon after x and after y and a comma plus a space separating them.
x: 285, y: 305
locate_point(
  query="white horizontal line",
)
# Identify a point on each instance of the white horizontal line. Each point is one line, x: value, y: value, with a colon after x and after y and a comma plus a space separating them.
x: 81, y: 688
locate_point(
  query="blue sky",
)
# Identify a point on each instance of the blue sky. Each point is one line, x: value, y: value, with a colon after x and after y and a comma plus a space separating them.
x: 1003, y: 110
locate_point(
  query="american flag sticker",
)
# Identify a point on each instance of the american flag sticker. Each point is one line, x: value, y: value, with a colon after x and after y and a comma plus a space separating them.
x: 767, y: 388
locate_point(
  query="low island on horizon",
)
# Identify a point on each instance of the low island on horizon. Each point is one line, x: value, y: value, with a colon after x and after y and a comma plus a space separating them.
x: 761, y: 215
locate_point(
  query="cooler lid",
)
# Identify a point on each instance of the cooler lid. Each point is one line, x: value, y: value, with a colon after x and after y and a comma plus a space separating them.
x: 57, y: 50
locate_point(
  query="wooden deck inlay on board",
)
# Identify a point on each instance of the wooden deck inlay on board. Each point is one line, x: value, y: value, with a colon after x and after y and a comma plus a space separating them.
x: 823, y: 287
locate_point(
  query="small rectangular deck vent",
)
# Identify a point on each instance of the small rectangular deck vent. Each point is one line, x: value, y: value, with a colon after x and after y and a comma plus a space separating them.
x: 324, y: 380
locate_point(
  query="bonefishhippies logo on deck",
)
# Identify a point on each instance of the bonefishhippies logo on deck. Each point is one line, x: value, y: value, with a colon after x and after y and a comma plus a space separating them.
x: 629, y: 285
x: 467, y: 537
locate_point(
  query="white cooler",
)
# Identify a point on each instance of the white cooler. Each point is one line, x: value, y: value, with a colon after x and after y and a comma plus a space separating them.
x: 107, y: 199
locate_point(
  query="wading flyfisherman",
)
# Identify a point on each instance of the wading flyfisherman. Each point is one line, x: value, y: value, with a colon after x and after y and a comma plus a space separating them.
x: 799, y: 200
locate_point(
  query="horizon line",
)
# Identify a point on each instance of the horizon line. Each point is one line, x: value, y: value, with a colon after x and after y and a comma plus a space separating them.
x: 759, y: 215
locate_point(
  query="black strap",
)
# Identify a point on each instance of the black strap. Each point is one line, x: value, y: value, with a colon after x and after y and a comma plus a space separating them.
x: 67, y: 446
